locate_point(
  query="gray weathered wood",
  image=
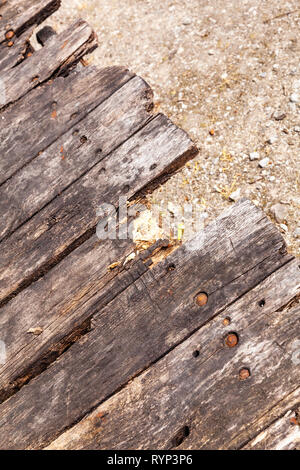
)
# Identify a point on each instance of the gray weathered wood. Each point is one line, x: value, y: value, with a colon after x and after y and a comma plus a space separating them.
x: 32, y: 124
x: 73, y: 154
x: 19, y: 16
x: 284, y: 434
x: 11, y: 56
x: 159, y: 148
x: 59, y: 53
x: 191, y: 401
x: 146, y: 320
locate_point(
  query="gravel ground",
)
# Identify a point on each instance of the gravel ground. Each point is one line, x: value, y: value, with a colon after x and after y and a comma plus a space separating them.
x: 226, y: 71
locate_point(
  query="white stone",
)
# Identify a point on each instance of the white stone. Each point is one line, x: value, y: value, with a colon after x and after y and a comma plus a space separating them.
x: 294, y: 98
x: 284, y: 227
x: 254, y: 156
x: 279, y: 212
x: 235, y: 195
x: 264, y: 162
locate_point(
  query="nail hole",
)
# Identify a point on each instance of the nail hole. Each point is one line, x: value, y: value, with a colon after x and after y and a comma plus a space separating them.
x: 34, y: 79
x: 244, y: 373
x: 126, y: 188
x: 171, y: 267
x: 76, y: 132
x: 83, y: 139
x: 201, y: 299
x: 152, y: 167
x: 102, y: 170
x: 74, y: 115
x: 180, y: 436
x: 226, y: 321
x: 231, y: 340
x: 196, y: 353
x: 262, y: 302
x: 98, y: 151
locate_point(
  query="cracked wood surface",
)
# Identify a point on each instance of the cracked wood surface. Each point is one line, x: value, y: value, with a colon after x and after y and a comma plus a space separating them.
x: 128, y: 345
x: 58, y: 54
x: 19, y: 16
x: 34, y: 123
x: 151, y: 316
x: 283, y: 434
x: 157, y: 149
x: 11, y: 56
x: 189, y: 401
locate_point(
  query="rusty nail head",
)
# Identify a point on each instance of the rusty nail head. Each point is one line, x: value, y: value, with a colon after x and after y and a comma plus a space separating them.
x: 294, y: 421
x: 201, y: 299
x: 226, y: 321
x: 231, y: 340
x: 10, y: 34
x: 244, y: 373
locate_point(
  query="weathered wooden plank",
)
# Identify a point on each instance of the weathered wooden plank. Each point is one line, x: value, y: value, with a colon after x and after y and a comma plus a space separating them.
x: 55, y: 58
x: 145, y: 321
x: 46, y: 113
x: 283, y: 434
x: 73, y: 154
x: 11, y: 56
x: 253, y: 429
x: 18, y: 16
x: 157, y: 149
x: 194, y: 397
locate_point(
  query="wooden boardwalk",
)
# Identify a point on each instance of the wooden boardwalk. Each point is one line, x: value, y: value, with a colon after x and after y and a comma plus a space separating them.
x: 199, y: 350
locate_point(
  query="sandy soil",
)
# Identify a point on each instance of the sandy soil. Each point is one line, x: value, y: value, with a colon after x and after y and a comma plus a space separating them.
x: 226, y: 71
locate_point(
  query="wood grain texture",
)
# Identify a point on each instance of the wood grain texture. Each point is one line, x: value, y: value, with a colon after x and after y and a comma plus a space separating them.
x: 283, y: 434
x: 19, y: 16
x: 46, y: 113
x: 145, y: 321
x: 11, y: 56
x: 189, y: 401
x: 73, y: 154
x: 59, y: 53
x: 157, y: 149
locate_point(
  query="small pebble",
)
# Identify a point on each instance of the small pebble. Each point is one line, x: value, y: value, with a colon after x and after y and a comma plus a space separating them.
x: 297, y: 128
x: 254, y: 156
x: 235, y: 195
x: 279, y: 116
x: 294, y: 98
x: 284, y: 227
x: 297, y: 232
x: 271, y: 140
x: 264, y: 162
x: 279, y: 212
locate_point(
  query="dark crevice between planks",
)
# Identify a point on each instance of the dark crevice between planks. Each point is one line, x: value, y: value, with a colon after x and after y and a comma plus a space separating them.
x: 292, y: 303
x: 269, y: 423
x: 57, y: 349
x: 38, y: 18
x: 64, y: 68
x: 103, y: 157
x: 84, y: 116
x: 181, y: 434
x: 167, y: 172
x: 76, y: 334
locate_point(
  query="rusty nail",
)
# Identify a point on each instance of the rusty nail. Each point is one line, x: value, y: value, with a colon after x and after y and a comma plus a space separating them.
x: 10, y: 43
x: 231, y: 340
x: 244, y: 373
x: 226, y: 321
x: 201, y: 299
x: 10, y: 34
x: 294, y: 421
